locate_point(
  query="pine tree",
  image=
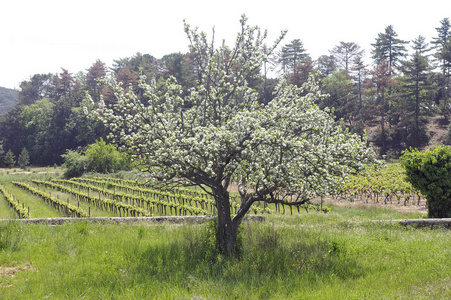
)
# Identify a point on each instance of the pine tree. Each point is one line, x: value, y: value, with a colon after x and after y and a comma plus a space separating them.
x: 2, y: 152
x: 95, y: 73
x: 442, y: 46
x: 293, y: 54
x: 359, y: 74
x: 389, y: 48
x: 345, y: 54
x: 10, y: 159
x: 24, y: 158
x: 416, y: 85
x: 387, y: 53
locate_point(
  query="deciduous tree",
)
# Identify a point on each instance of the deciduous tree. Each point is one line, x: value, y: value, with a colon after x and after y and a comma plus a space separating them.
x: 37, y: 120
x: 285, y: 152
x: 35, y: 89
x: 341, y: 96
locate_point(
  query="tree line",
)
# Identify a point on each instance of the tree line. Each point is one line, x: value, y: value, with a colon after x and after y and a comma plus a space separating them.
x: 405, y: 83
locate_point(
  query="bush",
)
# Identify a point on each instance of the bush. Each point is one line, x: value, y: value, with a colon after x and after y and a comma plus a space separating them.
x: 104, y: 158
x: 99, y: 157
x: 430, y: 172
x: 75, y: 162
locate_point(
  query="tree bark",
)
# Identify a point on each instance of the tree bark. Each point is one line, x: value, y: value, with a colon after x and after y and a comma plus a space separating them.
x: 227, y: 230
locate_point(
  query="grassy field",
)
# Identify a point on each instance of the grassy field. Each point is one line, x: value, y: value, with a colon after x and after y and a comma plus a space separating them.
x: 343, y: 254
x: 339, y: 255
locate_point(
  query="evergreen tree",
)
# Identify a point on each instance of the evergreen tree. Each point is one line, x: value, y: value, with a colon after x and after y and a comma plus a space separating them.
x: 95, y: 73
x: 10, y: 159
x: 345, y: 54
x: 388, y: 48
x: 296, y: 62
x: 24, y: 158
x: 63, y: 84
x: 442, y: 46
x: 359, y: 75
x: 416, y: 87
x: 387, y: 53
x: 382, y: 81
x: 293, y: 54
x: 2, y: 153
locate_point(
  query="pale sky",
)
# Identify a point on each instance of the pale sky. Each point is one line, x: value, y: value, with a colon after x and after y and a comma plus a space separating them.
x: 39, y: 37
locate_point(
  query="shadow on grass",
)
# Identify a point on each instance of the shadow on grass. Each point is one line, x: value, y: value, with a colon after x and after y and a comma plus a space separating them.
x: 269, y: 255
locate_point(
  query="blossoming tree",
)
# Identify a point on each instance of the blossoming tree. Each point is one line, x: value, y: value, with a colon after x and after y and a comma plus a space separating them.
x: 285, y: 152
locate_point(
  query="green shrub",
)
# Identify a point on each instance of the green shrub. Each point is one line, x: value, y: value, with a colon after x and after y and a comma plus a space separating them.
x: 430, y: 172
x: 99, y: 158
x: 75, y: 162
x: 104, y: 158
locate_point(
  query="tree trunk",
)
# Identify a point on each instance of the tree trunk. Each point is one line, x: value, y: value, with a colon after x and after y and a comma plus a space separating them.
x: 417, y: 113
x: 382, y: 112
x: 227, y: 230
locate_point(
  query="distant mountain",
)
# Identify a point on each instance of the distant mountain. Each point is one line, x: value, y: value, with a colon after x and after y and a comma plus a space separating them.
x: 8, y: 99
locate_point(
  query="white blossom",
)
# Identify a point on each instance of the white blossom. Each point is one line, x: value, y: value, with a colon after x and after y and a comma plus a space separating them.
x: 287, y: 147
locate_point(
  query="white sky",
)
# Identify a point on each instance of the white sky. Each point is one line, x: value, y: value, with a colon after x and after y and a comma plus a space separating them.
x: 38, y: 37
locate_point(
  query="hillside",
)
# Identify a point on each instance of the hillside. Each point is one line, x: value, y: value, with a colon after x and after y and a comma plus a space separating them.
x: 437, y: 128
x: 8, y: 99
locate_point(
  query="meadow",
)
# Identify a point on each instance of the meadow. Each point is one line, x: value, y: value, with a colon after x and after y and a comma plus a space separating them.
x: 342, y: 254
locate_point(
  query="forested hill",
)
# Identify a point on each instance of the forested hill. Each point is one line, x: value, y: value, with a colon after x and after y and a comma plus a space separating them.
x: 401, y: 99
x: 8, y: 99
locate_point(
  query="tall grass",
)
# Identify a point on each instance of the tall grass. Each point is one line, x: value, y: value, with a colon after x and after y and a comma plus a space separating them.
x: 10, y: 236
x: 282, y: 258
